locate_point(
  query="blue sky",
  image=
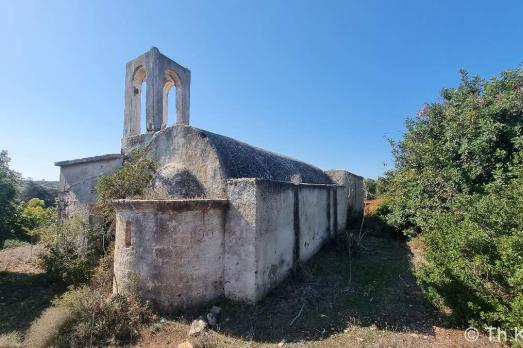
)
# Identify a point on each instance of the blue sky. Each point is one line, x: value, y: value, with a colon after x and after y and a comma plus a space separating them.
x: 326, y: 82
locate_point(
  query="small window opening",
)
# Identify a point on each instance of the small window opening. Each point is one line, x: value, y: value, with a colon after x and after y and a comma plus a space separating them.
x: 127, y: 234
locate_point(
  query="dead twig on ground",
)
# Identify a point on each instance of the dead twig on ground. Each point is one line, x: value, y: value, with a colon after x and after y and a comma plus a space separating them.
x: 297, y: 316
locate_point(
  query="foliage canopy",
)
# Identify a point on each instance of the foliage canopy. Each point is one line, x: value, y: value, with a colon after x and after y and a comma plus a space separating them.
x: 9, y: 182
x: 458, y: 146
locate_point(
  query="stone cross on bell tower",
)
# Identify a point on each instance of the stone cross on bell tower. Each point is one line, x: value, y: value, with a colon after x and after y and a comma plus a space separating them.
x: 160, y: 75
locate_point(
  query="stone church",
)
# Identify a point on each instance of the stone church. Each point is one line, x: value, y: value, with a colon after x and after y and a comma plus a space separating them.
x: 229, y: 220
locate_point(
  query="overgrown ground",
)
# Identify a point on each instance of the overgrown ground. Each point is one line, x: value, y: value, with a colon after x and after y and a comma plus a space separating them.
x: 368, y: 299
x: 25, y: 290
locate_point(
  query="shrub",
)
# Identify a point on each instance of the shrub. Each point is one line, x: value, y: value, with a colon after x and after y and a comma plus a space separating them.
x: 474, y: 257
x: 33, y: 215
x: 127, y: 182
x: 72, y: 250
x: 99, y: 318
x: 456, y: 147
x: 90, y: 315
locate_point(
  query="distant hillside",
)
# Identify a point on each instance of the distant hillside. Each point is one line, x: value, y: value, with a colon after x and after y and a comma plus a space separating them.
x: 50, y: 185
x: 42, y: 189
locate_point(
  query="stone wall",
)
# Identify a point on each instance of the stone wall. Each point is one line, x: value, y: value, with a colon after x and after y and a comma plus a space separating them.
x: 170, y: 250
x: 240, y: 240
x: 271, y: 226
x: 275, y: 234
x: 77, y: 186
x: 314, y: 210
x: 350, y: 196
x: 183, y: 253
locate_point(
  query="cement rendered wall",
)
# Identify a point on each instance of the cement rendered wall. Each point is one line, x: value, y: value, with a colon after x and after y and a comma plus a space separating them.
x: 183, y: 253
x: 350, y: 196
x: 77, y: 186
x: 270, y: 227
x: 172, y: 251
x: 240, y: 241
x: 342, y: 207
x: 314, y: 223
x: 275, y: 235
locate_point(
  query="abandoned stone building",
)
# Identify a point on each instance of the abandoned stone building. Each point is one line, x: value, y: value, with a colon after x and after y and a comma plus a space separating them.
x: 231, y: 220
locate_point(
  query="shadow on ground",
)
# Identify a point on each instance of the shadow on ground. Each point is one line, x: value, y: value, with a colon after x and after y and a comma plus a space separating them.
x: 23, y: 296
x: 374, y: 287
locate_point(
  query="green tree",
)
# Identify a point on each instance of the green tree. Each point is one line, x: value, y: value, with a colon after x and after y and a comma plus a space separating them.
x: 370, y: 186
x: 458, y: 146
x: 458, y: 179
x: 33, y: 215
x: 9, y: 181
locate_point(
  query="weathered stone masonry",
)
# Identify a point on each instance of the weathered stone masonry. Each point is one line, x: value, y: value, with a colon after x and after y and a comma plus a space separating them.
x: 232, y: 219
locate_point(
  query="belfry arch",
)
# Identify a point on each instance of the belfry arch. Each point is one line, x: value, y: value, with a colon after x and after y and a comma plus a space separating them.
x: 172, y: 81
x: 160, y: 75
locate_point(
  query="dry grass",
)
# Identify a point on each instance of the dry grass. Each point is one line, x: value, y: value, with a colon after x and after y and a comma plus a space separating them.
x: 11, y: 340
x: 372, y: 204
x: 417, y: 247
x: 44, y: 330
x: 25, y: 291
x: 21, y: 259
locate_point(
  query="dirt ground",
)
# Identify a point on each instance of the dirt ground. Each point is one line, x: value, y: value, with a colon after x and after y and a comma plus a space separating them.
x: 20, y: 259
x: 25, y: 290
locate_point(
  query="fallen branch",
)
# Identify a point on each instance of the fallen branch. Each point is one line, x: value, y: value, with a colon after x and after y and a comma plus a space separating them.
x: 298, y: 315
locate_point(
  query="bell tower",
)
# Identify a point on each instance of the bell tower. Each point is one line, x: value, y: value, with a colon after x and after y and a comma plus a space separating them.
x: 160, y: 74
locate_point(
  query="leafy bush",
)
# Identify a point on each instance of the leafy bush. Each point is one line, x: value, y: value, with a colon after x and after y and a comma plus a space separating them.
x: 34, y: 214
x: 72, y: 250
x: 474, y: 258
x: 456, y: 147
x: 73, y: 247
x: 376, y: 188
x: 127, y: 182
